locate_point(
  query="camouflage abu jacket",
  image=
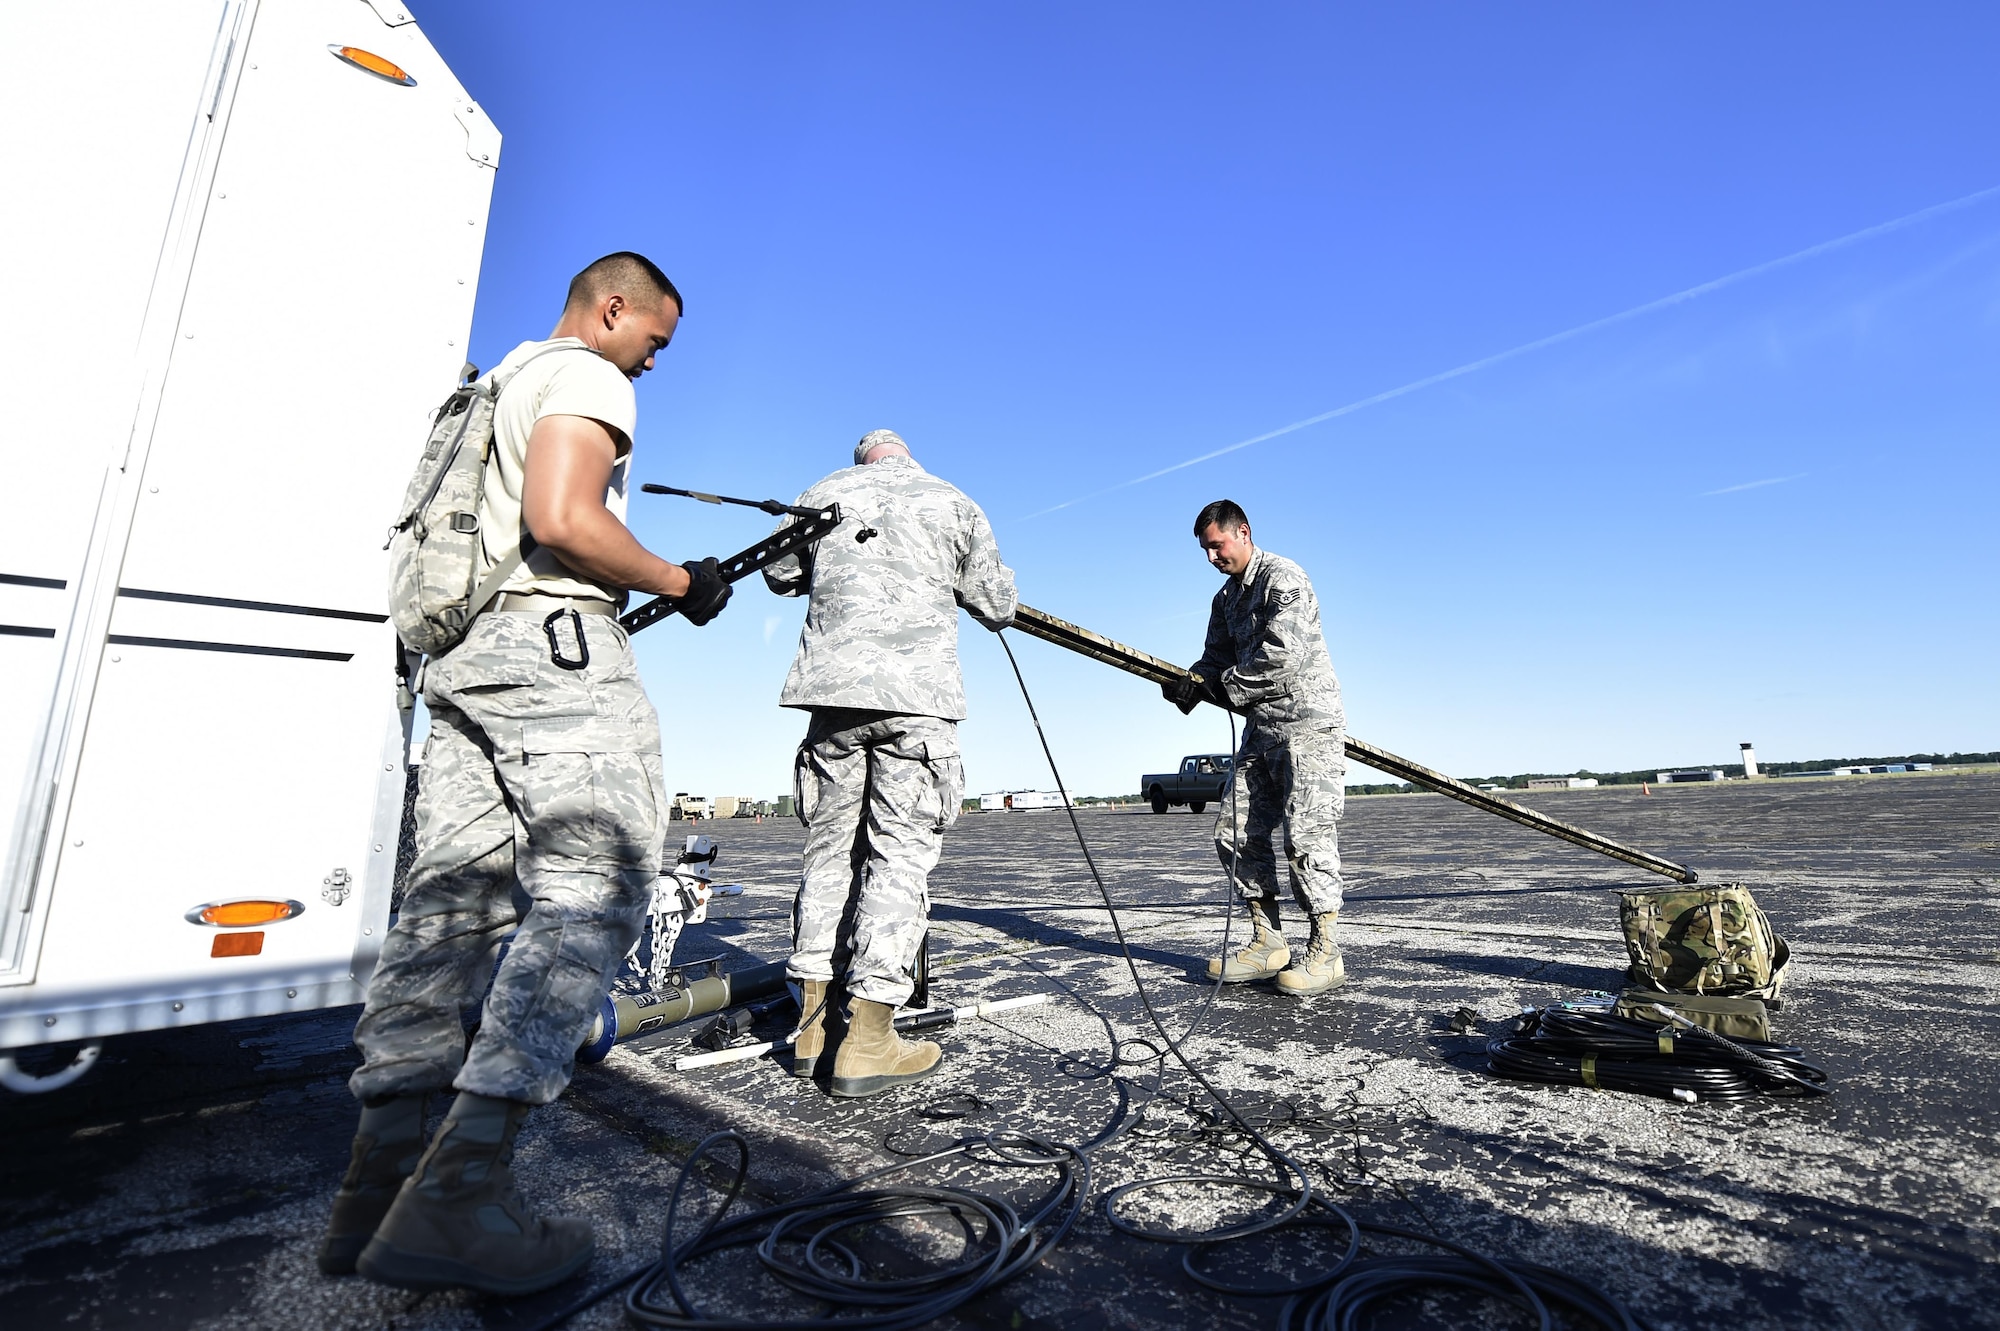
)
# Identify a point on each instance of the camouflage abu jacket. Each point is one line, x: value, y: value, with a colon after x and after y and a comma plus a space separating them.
x: 882, y: 630
x: 1265, y: 645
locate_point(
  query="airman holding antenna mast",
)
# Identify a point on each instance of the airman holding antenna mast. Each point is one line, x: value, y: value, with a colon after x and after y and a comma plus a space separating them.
x: 1266, y: 657
x: 540, y: 806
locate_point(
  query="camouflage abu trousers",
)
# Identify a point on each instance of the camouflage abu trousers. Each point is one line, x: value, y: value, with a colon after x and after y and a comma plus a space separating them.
x: 538, y: 807
x: 876, y: 791
x: 1294, y: 785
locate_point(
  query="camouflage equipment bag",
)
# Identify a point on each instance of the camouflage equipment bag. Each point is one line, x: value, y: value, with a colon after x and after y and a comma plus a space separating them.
x: 1702, y: 940
x: 435, y: 585
x: 1737, y: 1018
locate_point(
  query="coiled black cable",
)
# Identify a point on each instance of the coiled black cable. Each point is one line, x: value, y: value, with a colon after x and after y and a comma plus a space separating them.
x: 799, y: 1243
x: 1333, y: 1299
x: 804, y: 1246
x: 1371, y: 1280
x: 1562, y: 1046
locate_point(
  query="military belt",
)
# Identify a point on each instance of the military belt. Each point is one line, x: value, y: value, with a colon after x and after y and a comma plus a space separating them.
x: 536, y: 603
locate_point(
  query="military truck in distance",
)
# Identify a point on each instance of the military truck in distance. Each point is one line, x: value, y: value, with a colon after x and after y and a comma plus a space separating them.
x: 1202, y: 778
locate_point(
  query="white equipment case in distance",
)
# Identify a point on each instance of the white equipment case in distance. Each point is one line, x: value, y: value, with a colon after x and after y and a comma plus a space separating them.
x: 244, y: 244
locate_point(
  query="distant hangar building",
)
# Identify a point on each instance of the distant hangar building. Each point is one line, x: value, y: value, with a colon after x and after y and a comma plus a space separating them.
x: 1008, y: 801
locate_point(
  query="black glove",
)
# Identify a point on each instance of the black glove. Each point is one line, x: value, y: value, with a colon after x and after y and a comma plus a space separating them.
x: 1188, y: 692
x: 707, y: 593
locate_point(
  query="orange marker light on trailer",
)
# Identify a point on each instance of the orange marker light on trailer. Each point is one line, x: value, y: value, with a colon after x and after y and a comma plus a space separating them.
x: 238, y: 945
x: 374, y: 64
x: 237, y: 914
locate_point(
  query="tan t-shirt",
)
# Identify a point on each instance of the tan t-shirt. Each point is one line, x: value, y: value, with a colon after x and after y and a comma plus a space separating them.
x: 561, y: 383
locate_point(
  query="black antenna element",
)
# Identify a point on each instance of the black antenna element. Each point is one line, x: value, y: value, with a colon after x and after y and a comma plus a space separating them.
x: 771, y: 506
x: 787, y: 540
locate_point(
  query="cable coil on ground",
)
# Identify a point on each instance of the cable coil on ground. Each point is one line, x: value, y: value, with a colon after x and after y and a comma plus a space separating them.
x: 1570, y: 1046
x: 809, y: 1246
x: 1339, y: 1305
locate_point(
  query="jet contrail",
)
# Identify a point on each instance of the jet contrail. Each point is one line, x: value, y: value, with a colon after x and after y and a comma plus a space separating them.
x: 1755, y: 485
x: 1471, y: 367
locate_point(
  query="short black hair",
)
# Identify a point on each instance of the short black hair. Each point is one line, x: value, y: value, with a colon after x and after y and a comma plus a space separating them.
x: 626, y: 272
x: 1224, y: 513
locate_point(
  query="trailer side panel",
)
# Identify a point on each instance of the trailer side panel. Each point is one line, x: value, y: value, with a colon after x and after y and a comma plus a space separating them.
x: 236, y: 736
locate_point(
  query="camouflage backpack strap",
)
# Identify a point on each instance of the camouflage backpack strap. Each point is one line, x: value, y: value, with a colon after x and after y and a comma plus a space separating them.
x: 1717, y: 968
x: 1639, y: 921
x: 1740, y: 1018
x: 493, y: 385
x: 498, y: 575
x: 1747, y: 958
x: 1649, y: 934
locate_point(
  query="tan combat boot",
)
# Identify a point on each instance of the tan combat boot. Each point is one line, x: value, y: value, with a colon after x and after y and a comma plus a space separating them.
x: 459, y: 1222
x: 810, y: 1042
x: 386, y: 1148
x: 872, y: 1057
x: 1264, y: 956
x: 1321, y: 967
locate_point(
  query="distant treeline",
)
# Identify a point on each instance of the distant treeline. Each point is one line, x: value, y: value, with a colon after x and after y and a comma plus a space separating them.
x: 1519, y: 781
x: 970, y: 804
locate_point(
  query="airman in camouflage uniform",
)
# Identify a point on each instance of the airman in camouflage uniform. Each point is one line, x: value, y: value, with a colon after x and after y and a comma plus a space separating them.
x: 1266, y: 657
x: 878, y: 776
x: 539, y: 814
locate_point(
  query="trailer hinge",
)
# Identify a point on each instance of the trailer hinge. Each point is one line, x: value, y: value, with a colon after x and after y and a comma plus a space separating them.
x: 482, y: 141
x: 390, y: 12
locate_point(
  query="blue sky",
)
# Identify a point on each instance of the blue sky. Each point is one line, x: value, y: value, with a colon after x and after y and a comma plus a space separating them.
x: 1062, y: 247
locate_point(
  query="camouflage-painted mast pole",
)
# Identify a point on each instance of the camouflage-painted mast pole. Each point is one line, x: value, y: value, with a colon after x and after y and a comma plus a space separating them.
x: 1134, y: 662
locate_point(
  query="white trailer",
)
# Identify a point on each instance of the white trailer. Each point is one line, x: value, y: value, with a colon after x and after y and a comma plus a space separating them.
x: 244, y: 244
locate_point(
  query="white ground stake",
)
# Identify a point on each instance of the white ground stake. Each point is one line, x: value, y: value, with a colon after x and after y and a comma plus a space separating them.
x: 916, y: 1021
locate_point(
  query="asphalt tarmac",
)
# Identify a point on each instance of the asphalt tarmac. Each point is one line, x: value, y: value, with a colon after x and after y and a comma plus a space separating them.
x: 184, y: 1182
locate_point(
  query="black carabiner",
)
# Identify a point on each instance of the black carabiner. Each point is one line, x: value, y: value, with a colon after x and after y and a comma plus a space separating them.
x: 555, y: 648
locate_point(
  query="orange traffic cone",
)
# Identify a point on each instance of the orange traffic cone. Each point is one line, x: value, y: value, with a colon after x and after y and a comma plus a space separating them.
x: 1645, y: 789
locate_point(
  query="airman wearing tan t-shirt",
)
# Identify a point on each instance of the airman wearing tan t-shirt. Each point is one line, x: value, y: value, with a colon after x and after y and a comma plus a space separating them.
x: 541, y: 781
